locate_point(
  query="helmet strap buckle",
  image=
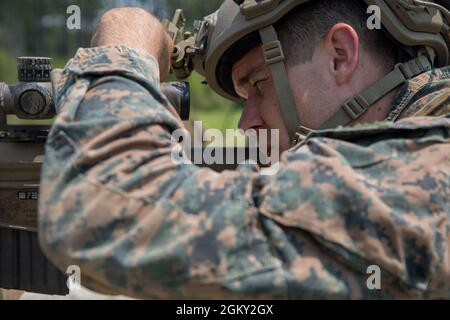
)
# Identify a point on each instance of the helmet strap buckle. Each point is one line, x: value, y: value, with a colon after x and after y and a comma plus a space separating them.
x: 358, y: 105
x: 274, y: 58
x: 273, y: 52
x: 355, y: 107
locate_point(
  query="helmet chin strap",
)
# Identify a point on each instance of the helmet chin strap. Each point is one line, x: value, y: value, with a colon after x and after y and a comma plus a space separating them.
x: 274, y: 58
x: 350, y: 110
x: 355, y: 107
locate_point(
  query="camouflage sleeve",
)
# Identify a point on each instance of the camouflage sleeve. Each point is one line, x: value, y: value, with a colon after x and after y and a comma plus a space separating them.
x: 136, y: 223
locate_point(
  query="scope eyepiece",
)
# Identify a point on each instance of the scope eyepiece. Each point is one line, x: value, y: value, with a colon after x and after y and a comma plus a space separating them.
x: 179, y: 96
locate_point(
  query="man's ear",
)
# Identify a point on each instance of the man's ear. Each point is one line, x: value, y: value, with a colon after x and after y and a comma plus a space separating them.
x: 342, y: 44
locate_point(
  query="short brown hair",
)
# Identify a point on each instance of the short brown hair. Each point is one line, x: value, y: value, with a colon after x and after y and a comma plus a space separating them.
x: 307, y: 24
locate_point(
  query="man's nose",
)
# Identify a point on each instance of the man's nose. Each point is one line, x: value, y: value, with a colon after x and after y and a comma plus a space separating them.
x: 250, y: 118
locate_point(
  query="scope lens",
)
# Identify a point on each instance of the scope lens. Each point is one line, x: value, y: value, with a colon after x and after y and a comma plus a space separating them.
x: 178, y: 94
x: 185, y: 100
x: 32, y: 103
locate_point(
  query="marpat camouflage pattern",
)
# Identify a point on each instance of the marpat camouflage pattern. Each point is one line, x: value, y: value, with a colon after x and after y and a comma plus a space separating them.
x: 114, y: 203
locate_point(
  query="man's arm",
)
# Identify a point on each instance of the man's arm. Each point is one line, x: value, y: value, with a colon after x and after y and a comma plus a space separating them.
x: 113, y: 201
x: 137, y: 29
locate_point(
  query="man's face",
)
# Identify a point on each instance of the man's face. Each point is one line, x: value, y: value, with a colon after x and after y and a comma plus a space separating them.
x: 337, y: 71
x: 253, y: 82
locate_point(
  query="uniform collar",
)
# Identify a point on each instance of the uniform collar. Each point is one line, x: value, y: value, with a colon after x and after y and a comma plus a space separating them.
x: 406, y: 101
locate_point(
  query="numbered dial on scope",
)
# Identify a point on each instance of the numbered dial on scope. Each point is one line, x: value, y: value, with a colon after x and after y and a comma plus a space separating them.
x: 34, y: 69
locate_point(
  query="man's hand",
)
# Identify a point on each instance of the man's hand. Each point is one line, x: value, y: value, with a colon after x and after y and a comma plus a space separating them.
x: 137, y: 29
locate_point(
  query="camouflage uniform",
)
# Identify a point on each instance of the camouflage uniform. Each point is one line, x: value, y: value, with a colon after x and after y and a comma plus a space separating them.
x: 114, y: 203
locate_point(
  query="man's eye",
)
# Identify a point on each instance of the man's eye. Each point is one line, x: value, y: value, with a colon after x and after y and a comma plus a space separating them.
x: 243, y: 96
x: 259, y: 84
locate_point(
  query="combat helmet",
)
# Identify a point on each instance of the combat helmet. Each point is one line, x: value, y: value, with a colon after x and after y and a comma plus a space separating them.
x: 422, y: 28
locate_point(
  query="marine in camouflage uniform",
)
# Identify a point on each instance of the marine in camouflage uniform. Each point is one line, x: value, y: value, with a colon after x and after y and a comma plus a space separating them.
x: 113, y: 202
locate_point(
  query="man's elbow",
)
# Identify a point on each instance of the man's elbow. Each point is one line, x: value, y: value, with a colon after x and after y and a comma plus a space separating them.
x: 54, y: 245
x: 57, y: 224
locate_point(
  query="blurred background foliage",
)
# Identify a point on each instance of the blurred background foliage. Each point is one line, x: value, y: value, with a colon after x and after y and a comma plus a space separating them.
x: 38, y: 28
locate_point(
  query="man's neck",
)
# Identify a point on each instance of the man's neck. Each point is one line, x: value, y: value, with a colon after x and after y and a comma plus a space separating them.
x: 379, y: 111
